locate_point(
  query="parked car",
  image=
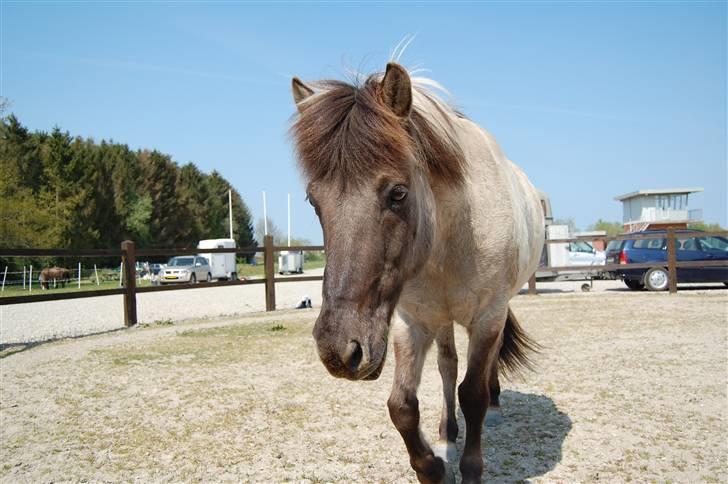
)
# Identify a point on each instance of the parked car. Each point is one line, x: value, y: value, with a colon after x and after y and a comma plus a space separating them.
x: 582, y: 253
x: 189, y: 268
x: 687, y: 248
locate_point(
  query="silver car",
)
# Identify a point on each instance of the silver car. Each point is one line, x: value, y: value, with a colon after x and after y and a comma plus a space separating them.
x: 186, y: 268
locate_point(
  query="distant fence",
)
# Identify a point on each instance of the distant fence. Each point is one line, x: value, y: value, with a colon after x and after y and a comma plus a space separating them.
x: 672, y: 264
x: 129, y: 254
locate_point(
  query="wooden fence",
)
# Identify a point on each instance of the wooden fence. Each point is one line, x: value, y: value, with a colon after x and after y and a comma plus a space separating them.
x: 129, y: 254
x: 671, y: 264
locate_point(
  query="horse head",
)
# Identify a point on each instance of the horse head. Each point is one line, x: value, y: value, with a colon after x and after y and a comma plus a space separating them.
x: 365, y: 151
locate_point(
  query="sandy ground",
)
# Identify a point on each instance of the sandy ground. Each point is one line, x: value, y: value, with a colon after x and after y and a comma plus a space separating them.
x: 629, y: 387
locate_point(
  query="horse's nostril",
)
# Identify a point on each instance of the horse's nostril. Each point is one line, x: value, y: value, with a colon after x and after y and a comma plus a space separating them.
x: 353, y: 356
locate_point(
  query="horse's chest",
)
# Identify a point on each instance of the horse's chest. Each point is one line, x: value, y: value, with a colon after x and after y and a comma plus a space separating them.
x: 435, y: 301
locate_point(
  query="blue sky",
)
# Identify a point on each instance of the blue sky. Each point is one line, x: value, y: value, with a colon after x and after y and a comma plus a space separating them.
x: 593, y: 100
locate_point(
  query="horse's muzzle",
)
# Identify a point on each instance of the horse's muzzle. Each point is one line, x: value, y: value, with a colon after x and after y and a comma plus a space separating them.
x: 350, y: 359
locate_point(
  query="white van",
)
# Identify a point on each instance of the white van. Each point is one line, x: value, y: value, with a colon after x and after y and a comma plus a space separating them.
x: 222, y: 264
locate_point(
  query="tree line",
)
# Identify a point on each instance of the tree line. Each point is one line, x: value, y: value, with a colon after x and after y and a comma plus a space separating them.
x: 60, y: 191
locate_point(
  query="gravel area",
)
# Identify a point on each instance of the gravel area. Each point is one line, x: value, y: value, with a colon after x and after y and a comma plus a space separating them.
x: 42, y: 321
x: 22, y: 323
x: 629, y: 387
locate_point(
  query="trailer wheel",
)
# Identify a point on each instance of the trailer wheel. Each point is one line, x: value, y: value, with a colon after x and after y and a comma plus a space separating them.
x: 585, y: 287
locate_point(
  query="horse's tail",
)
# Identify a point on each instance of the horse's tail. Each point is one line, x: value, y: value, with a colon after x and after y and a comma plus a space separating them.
x: 514, y: 355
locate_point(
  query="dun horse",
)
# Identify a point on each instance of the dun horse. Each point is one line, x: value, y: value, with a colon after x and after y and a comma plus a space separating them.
x: 420, y: 211
x: 55, y: 274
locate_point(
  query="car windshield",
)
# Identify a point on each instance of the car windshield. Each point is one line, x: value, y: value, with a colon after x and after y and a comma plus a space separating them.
x: 714, y: 243
x: 181, y: 261
x: 614, y: 245
x: 580, y: 246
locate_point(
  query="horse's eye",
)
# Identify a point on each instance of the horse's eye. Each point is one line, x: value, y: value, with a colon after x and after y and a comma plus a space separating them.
x: 315, y: 207
x: 398, y: 193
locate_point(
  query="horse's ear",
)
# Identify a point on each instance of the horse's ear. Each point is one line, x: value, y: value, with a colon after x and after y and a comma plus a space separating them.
x: 397, y: 90
x: 301, y: 91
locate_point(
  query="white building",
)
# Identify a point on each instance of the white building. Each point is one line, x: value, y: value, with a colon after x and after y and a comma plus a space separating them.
x: 658, y: 209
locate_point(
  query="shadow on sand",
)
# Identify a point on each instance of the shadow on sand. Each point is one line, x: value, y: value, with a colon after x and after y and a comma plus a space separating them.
x: 527, y: 443
x: 8, y: 349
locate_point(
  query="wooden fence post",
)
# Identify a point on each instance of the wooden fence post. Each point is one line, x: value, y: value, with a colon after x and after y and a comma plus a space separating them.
x: 129, y: 270
x: 532, y: 285
x: 270, y: 287
x: 671, y: 258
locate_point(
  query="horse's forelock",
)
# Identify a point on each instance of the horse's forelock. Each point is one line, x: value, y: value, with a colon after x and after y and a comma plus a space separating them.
x: 345, y: 133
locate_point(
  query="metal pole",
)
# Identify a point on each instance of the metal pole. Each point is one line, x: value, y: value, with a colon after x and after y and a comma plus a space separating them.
x: 30, y: 280
x: 97, y: 275
x: 23, y: 278
x: 4, y: 276
x: 79, y: 275
x: 121, y: 273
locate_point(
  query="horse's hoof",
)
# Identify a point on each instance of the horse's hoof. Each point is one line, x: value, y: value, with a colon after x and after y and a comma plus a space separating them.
x: 449, y: 474
x: 493, y: 417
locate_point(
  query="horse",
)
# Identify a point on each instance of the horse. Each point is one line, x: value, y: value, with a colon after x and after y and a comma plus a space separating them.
x: 56, y: 274
x: 421, y: 211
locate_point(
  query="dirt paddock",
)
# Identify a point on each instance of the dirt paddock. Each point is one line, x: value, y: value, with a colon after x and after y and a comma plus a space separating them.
x: 629, y: 387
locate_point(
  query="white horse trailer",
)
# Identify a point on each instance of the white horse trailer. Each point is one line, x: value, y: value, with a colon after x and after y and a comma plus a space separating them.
x: 290, y: 262
x: 222, y: 264
x: 564, y: 254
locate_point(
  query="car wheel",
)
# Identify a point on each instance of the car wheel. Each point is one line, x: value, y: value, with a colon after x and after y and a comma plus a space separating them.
x: 193, y: 279
x: 657, y: 279
x: 209, y: 277
x: 634, y: 285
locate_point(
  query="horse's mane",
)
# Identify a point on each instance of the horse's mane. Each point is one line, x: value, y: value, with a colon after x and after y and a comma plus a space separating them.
x: 345, y: 132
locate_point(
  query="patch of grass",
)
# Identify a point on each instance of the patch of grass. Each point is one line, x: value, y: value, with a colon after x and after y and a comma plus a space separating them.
x: 211, y: 346
x: 258, y: 270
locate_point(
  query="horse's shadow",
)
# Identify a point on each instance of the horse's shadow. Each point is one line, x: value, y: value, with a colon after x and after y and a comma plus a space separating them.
x: 527, y: 443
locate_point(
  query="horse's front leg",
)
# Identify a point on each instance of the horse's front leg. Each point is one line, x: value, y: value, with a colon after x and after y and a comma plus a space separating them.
x: 447, y: 363
x: 474, y: 391
x: 411, y: 342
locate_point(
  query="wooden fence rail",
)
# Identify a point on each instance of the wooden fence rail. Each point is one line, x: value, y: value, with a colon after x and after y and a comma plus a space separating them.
x: 672, y: 264
x: 129, y: 254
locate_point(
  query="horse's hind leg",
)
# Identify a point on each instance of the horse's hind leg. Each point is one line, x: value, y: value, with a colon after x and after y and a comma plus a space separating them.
x: 447, y: 362
x: 474, y: 391
x: 410, y: 345
x: 494, y: 416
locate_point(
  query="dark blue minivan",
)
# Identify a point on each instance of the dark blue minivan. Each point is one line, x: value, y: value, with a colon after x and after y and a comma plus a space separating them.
x: 687, y: 247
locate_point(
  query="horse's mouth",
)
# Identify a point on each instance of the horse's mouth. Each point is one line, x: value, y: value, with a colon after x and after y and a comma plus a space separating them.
x: 371, y: 371
x: 377, y: 371
x: 374, y: 372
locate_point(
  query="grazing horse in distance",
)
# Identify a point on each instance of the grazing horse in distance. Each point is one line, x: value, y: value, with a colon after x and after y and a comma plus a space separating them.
x: 56, y: 274
x: 421, y: 211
